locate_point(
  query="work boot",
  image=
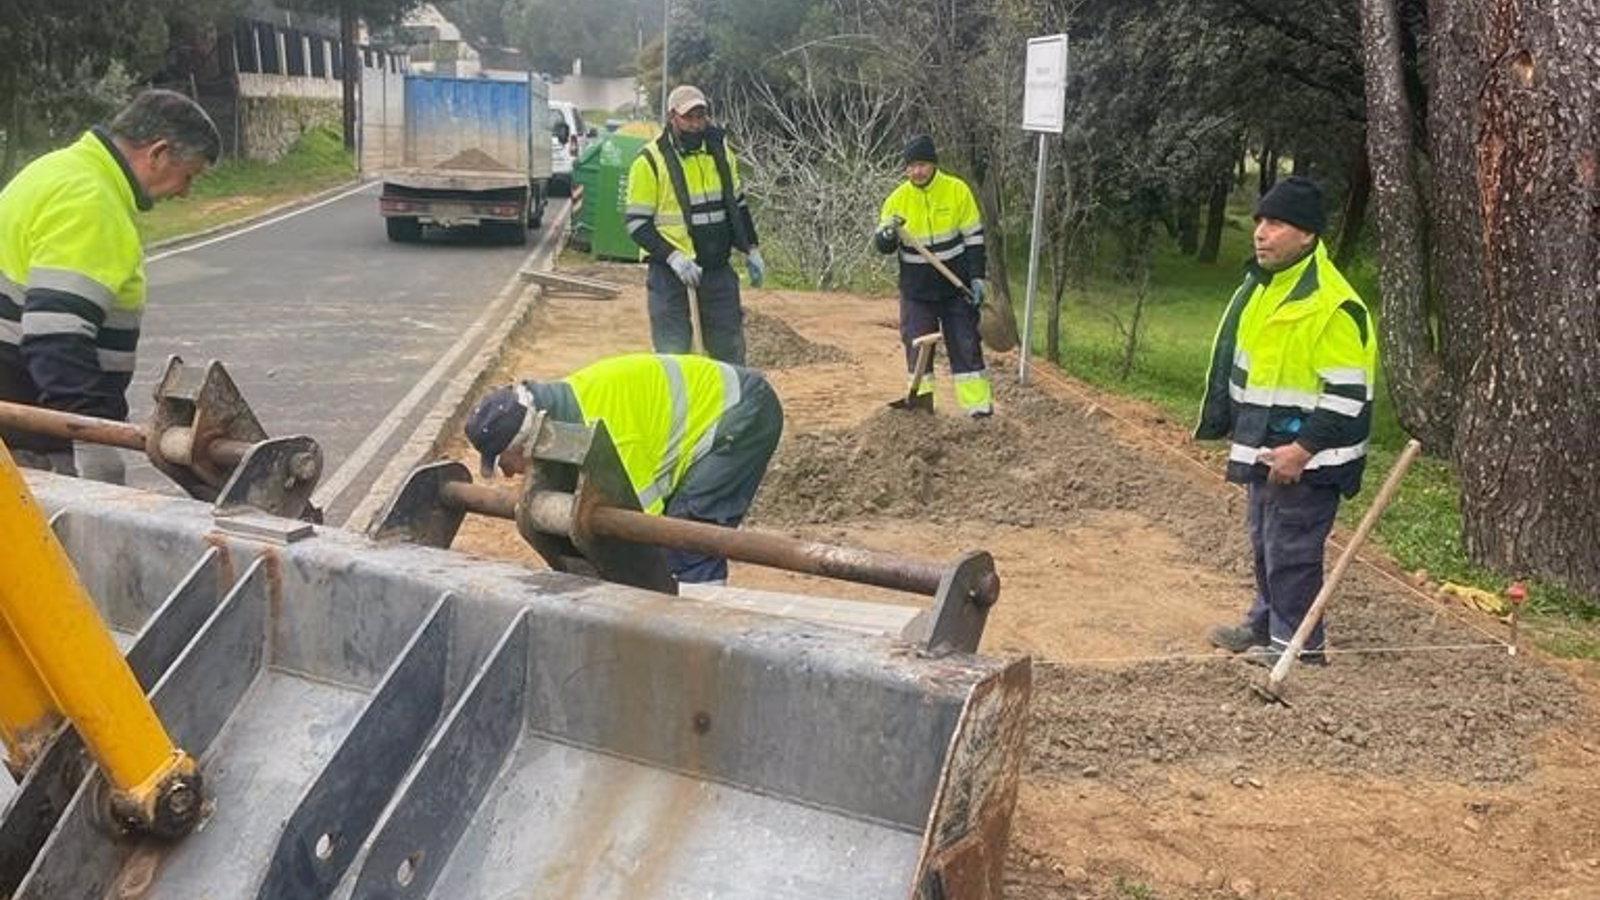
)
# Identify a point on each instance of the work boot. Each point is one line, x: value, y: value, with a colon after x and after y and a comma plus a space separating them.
x: 1267, y: 657
x: 1235, y: 638
x: 981, y: 413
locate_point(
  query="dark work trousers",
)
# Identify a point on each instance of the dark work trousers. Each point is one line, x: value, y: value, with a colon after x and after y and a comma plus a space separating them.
x: 1289, y: 525
x: 721, y: 485
x: 957, y: 317
x: 721, y: 318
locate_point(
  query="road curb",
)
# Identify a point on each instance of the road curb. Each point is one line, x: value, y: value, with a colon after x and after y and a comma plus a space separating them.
x: 286, y: 206
x: 431, y: 431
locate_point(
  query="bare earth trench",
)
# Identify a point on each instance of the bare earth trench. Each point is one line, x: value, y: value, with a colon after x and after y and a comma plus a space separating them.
x: 1424, y: 762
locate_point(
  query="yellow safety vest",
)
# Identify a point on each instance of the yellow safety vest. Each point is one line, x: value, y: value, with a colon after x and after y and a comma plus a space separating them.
x: 1295, y: 359
x: 660, y: 410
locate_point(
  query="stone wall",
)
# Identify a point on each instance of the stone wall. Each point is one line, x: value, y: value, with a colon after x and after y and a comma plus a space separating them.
x: 275, y: 110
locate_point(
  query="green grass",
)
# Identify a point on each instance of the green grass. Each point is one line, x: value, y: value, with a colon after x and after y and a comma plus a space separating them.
x: 236, y: 189
x: 1421, y: 528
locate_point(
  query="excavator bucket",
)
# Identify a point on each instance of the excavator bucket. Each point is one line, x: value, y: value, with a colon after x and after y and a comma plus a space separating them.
x: 388, y: 719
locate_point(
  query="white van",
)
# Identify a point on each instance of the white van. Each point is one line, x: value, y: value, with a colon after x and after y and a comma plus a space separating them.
x: 568, y: 129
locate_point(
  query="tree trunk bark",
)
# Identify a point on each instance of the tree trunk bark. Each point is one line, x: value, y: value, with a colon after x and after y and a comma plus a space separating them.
x: 1189, y: 225
x: 16, y: 121
x: 1355, y: 211
x: 1417, y: 382
x: 1269, y: 169
x: 352, y: 73
x: 1216, y: 217
x: 1530, y: 478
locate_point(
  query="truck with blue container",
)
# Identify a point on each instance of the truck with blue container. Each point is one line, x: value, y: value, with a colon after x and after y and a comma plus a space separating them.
x: 475, y: 152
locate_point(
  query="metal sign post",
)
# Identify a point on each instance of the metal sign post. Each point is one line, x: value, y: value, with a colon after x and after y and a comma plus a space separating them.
x: 1044, y: 112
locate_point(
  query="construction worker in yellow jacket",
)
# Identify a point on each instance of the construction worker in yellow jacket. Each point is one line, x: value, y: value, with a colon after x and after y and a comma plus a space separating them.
x: 937, y: 210
x: 694, y: 434
x: 686, y: 208
x: 1290, y: 386
x: 72, y: 283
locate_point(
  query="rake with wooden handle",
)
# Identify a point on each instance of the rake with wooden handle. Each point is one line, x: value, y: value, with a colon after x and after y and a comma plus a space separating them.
x: 1271, y: 689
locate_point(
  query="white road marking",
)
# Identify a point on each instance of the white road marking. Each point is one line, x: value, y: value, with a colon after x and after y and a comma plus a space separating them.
x: 337, y: 483
x: 227, y: 235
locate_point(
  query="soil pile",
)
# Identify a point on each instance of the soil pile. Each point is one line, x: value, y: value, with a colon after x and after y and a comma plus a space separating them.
x: 1464, y: 716
x: 771, y: 344
x: 1038, y: 461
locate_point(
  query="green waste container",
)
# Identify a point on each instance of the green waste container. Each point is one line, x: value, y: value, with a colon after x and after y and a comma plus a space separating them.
x: 603, y: 172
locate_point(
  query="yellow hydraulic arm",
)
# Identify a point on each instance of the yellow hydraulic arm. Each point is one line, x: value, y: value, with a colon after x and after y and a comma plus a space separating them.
x: 58, y: 663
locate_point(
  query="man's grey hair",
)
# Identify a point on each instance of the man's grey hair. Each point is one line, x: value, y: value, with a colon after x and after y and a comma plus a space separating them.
x: 168, y: 115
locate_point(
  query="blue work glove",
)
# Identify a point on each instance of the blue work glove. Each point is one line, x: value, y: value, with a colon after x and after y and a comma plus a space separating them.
x: 756, y: 266
x: 979, y: 290
x: 687, y: 270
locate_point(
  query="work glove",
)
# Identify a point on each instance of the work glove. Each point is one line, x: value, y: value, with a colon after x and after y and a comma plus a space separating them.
x: 687, y: 270
x: 757, y: 267
x: 979, y: 290
x: 889, y: 232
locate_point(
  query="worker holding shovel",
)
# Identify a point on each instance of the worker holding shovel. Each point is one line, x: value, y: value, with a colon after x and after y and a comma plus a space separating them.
x: 932, y: 221
x: 1290, y: 386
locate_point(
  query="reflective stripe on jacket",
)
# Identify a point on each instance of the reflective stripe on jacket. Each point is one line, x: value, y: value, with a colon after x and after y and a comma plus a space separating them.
x: 1295, y: 360
x: 661, y: 412
x: 72, y: 281
x: 655, y: 217
x: 943, y: 217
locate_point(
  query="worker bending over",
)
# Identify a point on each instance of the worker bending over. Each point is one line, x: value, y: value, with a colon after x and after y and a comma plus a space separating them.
x: 694, y: 434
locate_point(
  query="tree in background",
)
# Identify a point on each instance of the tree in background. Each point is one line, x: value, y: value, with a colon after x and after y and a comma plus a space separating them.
x: 65, y: 64
x: 377, y: 14
x: 1484, y: 134
x: 605, y: 34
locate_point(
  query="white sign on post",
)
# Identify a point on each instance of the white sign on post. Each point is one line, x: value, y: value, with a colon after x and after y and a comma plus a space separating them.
x: 1044, y: 111
x: 1044, y: 102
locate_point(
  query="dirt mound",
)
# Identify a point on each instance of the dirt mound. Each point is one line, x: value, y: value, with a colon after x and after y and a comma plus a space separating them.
x: 771, y: 344
x: 1466, y: 715
x: 1038, y: 461
x: 474, y: 160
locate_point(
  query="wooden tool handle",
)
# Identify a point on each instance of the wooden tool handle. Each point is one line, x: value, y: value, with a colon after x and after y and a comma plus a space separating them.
x: 1386, y: 493
x: 934, y: 261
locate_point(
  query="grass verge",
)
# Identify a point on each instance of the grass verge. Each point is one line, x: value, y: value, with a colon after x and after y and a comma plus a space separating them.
x: 1420, y: 530
x: 237, y: 189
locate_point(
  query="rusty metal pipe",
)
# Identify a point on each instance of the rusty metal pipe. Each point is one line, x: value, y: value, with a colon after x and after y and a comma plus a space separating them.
x: 175, y: 443
x: 552, y: 511
x: 774, y: 550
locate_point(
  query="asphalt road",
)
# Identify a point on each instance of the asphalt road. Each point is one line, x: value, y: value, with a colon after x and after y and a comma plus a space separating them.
x: 324, y: 324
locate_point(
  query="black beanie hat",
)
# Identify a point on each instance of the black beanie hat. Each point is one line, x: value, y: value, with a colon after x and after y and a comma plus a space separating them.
x: 920, y: 149
x: 1296, y: 200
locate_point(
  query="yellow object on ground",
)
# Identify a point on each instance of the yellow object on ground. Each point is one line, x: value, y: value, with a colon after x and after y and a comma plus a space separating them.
x: 59, y: 662
x: 1476, y: 598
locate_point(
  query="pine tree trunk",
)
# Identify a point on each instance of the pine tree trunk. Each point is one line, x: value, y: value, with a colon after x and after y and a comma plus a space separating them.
x: 1417, y: 381
x: 1216, y: 217
x: 1355, y: 211
x: 1525, y: 450
x: 1188, y: 225
x: 1269, y: 169
x: 352, y: 73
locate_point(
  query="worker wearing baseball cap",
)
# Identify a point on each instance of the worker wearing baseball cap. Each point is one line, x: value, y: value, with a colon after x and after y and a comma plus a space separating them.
x: 686, y: 208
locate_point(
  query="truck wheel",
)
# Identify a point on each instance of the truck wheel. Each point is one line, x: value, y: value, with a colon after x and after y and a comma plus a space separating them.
x: 403, y: 230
